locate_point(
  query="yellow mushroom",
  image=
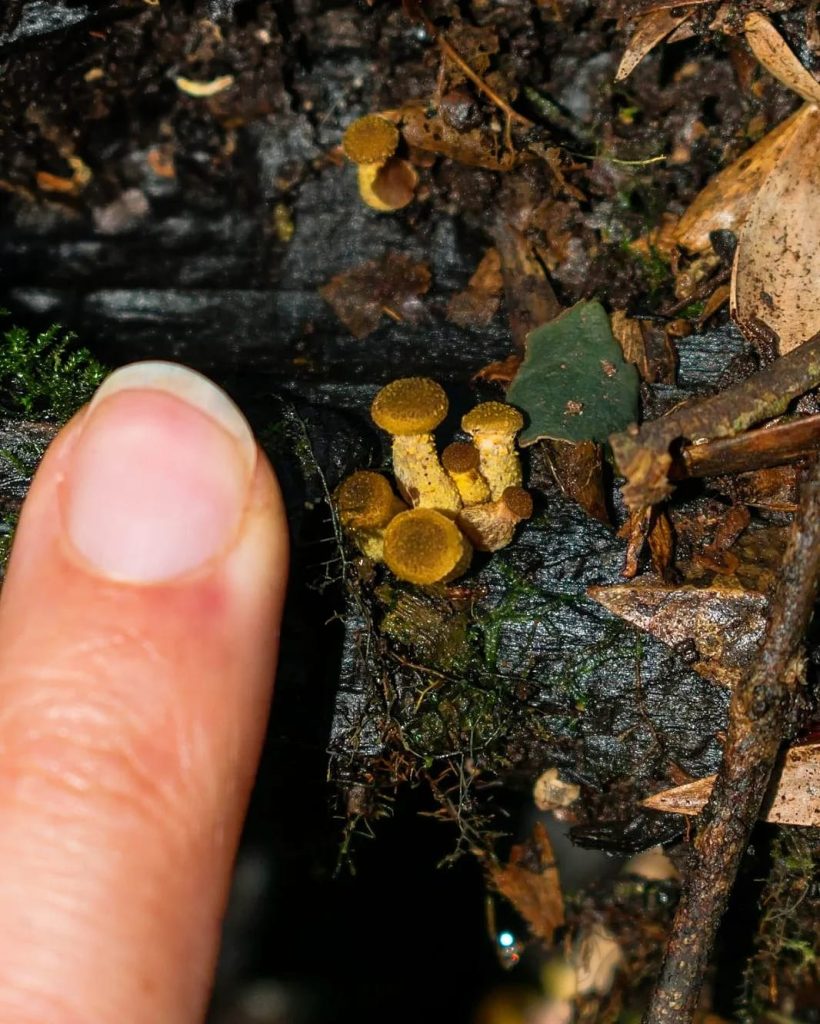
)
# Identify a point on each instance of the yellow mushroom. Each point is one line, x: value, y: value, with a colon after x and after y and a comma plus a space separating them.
x: 491, y: 526
x: 461, y: 462
x: 370, y: 140
x: 366, y: 503
x: 423, y: 546
x: 493, y: 426
x: 386, y: 181
x: 410, y: 409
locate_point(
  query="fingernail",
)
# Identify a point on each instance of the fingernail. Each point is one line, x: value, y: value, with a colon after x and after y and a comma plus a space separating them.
x: 159, y: 476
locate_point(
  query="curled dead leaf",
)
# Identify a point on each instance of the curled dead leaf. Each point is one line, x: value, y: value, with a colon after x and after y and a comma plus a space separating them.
x: 776, y: 275
x: 725, y: 202
x: 651, y: 29
x: 530, y: 882
x: 773, y: 52
x: 794, y: 795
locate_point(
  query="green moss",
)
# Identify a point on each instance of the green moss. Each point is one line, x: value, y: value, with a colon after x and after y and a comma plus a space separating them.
x: 427, y: 626
x: 45, y: 377
x: 787, y: 944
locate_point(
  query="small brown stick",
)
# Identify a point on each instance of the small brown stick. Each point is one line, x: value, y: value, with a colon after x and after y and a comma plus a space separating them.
x: 756, y: 449
x: 760, y: 715
x: 643, y: 455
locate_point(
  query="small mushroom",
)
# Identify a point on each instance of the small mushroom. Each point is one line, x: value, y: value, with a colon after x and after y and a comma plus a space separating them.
x: 491, y: 526
x: 493, y: 426
x: 366, y: 503
x: 410, y: 409
x: 386, y: 181
x: 461, y: 462
x: 423, y: 546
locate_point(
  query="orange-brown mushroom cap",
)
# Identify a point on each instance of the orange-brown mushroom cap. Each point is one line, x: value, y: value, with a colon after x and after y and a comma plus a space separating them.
x: 460, y: 457
x: 410, y: 405
x: 493, y: 418
x: 365, y: 501
x: 518, y: 502
x: 370, y: 140
x: 423, y: 546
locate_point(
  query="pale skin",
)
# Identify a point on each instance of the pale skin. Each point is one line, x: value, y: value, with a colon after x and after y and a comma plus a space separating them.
x: 139, y: 629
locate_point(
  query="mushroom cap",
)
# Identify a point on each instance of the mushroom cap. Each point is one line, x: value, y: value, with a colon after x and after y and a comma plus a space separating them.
x: 423, y: 546
x: 370, y: 140
x: 518, y: 502
x: 460, y: 457
x: 409, y: 405
x: 365, y: 500
x: 493, y: 418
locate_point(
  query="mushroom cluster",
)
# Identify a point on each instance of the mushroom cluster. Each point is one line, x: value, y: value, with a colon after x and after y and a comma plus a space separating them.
x: 468, y: 499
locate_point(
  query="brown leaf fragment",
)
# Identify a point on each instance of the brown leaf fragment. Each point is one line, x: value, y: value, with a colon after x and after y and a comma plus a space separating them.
x: 646, y: 345
x: 725, y: 202
x: 716, y: 556
x: 776, y: 274
x: 501, y: 371
x: 717, y: 628
x: 530, y: 882
x: 479, y: 302
x: 651, y: 29
x: 577, y: 468
x: 773, y: 52
x: 390, y: 286
x: 476, y: 147
x: 793, y: 799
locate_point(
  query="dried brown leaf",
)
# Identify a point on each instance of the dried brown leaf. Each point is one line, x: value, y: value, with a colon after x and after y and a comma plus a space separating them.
x: 530, y: 882
x: 725, y: 202
x: 479, y: 302
x: 794, y: 795
x: 390, y: 286
x: 774, y: 54
x: 721, y: 626
x: 776, y: 274
x: 651, y: 29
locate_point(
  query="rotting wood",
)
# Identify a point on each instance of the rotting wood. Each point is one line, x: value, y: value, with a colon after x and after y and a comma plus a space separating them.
x: 760, y: 716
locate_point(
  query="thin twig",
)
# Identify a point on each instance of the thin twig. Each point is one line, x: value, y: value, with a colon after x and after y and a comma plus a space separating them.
x: 761, y: 713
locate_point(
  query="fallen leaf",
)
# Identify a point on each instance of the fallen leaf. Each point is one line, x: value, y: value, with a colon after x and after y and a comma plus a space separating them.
x: 574, y: 384
x: 651, y: 29
x: 725, y: 202
x: 479, y: 302
x: 530, y: 882
x: 794, y: 794
x: 773, y: 52
x: 390, y: 286
x: 502, y: 371
x: 717, y: 628
x: 776, y: 274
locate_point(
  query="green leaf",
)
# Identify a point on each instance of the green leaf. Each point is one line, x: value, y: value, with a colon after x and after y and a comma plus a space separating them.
x: 574, y: 384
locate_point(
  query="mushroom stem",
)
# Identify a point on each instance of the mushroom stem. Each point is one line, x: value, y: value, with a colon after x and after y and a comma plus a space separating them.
x: 493, y: 427
x: 420, y: 477
x: 461, y: 462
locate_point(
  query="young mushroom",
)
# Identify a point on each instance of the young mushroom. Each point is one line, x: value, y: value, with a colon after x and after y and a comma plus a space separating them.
x: 423, y: 546
x: 386, y: 181
x: 410, y: 409
x: 461, y: 462
x: 493, y: 426
x: 366, y: 503
x: 491, y: 526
